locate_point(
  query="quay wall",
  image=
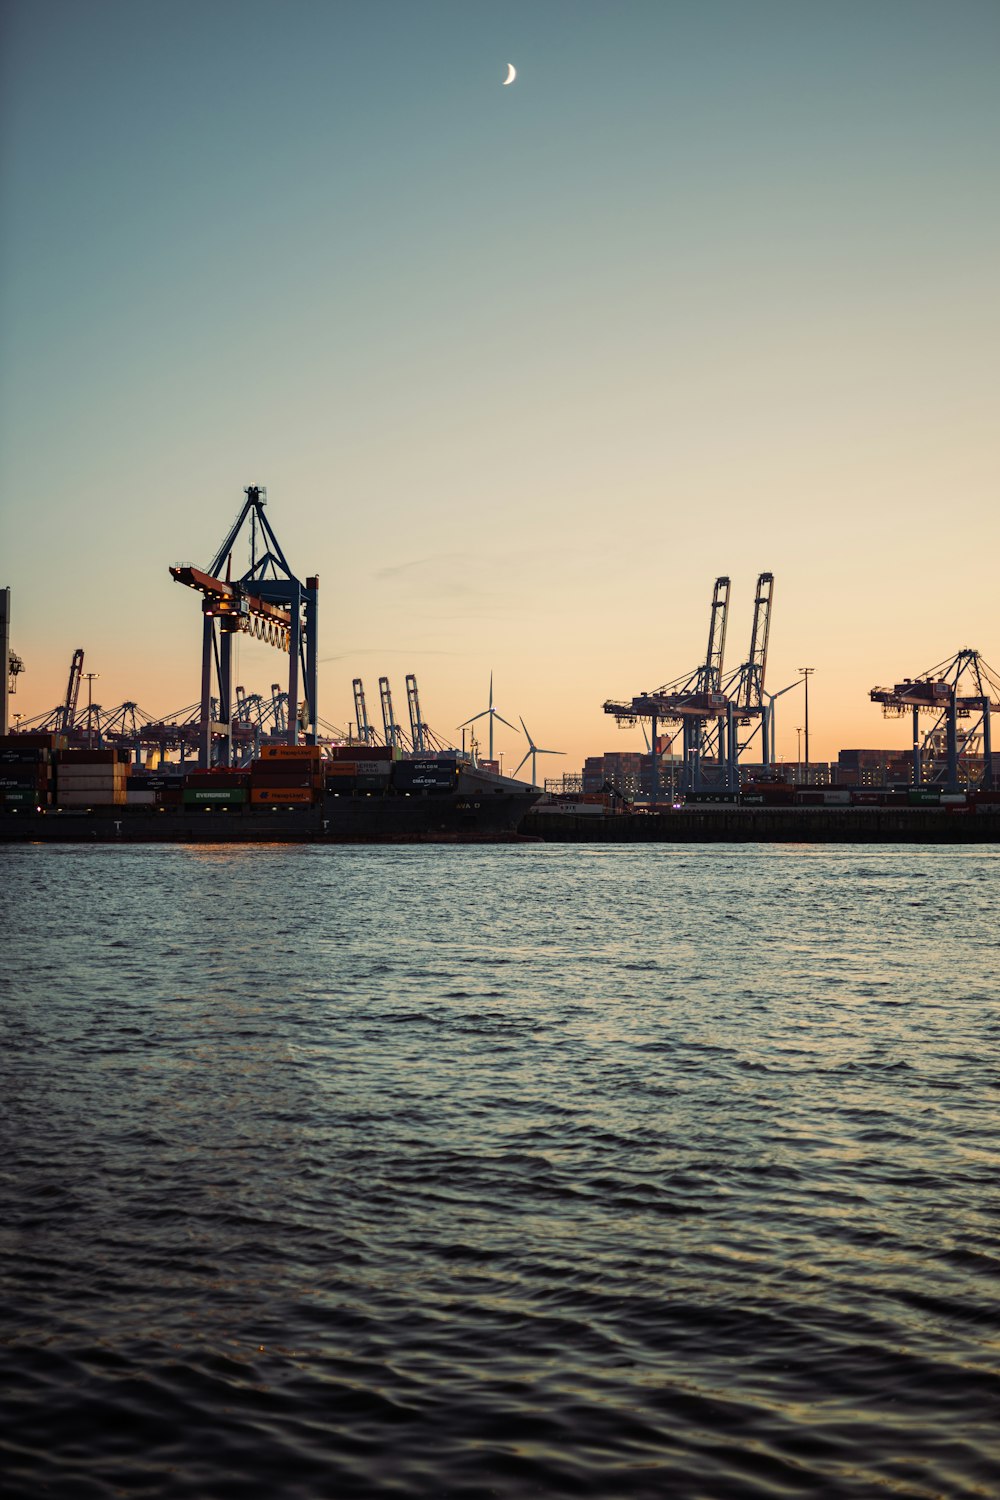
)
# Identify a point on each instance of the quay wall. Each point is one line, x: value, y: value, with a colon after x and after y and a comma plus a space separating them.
x: 747, y: 825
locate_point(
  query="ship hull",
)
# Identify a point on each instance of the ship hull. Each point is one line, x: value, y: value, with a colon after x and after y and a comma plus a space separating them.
x: 456, y: 818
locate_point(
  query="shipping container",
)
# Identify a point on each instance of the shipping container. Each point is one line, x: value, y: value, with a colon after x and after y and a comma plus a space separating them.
x: 213, y: 796
x: 302, y: 783
x: 347, y: 768
x: 218, y: 779
x: 281, y: 796
x: 425, y: 775
x: 380, y: 768
x: 16, y: 755
x: 33, y: 777
x: 291, y: 752
x: 89, y: 784
x: 26, y: 741
x: 103, y: 797
x: 341, y: 786
x: 369, y: 752
x: 140, y: 799
x: 195, y: 773
x: 921, y: 796
x: 93, y: 757
x: 25, y: 797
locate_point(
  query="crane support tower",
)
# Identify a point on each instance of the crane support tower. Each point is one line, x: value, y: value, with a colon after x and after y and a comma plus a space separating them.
x: 964, y: 689
x: 267, y: 601
x: 366, y: 733
x: 418, y: 729
x: 746, y: 685
x: 393, y: 736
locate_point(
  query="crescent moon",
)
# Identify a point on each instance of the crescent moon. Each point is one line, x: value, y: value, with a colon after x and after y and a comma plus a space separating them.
x: 511, y: 74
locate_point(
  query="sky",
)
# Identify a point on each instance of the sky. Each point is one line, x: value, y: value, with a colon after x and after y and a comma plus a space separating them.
x: 709, y: 289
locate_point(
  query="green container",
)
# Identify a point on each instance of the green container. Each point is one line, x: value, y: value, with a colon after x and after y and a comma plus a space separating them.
x: 919, y: 796
x: 23, y: 797
x: 214, y: 796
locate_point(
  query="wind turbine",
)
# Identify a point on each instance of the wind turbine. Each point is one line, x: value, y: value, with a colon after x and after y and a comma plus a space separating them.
x: 771, y: 733
x: 493, y: 715
x: 533, y: 750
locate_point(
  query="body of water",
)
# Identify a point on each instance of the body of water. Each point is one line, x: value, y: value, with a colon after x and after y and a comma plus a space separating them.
x: 500, y: 1172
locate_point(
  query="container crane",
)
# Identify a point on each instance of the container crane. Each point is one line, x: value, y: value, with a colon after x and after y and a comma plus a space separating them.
x: 366, y: 734
x: 393, y: 733
x: 418, y: 729
x: 267, y: 601
x: 72, y: 690
x: 962, y: 688
x: 696, y: 701
x: 746, y: 685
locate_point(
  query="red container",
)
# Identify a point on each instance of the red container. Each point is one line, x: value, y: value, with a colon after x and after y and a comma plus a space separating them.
x: 280, y: 796
x: 362, y: 752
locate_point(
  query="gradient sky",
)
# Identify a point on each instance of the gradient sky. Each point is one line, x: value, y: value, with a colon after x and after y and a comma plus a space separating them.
x: 712, y: 288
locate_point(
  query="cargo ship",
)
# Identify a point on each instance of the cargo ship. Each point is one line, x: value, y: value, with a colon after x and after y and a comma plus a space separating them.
x: 290, y: 793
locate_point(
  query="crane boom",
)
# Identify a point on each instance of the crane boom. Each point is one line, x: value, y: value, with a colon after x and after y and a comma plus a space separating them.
x: 388, y: 719
x: 361, y: 712
x: 753, y: 693
x: 416, y: 723
x: 73, y: 689
x: 712, y: 671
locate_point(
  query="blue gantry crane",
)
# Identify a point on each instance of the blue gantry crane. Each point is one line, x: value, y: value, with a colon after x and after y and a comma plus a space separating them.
x: 962, y: 688
x: 267, y: 601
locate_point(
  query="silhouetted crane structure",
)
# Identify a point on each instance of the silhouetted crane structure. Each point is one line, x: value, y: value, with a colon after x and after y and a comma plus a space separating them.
x: 711, y: 707
x: 962, y: 688
x: 696, y: 701
x: 393, y: 733
x: 365, y: 731
x: 72, y: 690
x: 267, y: 601
x: 418, y: 729
x: 746, y: 685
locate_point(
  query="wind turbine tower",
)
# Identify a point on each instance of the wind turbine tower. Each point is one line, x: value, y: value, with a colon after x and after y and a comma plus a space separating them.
x: 493, y: 714
x: 533, y: 750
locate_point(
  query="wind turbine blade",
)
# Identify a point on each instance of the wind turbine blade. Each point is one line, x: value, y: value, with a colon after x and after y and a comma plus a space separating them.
x: 473, y: 719
x: 548, y: 752
x: 502, y: 721
x: 521, y: 762
x: 527, y: 736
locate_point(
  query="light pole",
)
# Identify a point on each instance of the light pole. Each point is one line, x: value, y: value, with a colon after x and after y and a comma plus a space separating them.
x: 806, y: 673
x: 799, y: 756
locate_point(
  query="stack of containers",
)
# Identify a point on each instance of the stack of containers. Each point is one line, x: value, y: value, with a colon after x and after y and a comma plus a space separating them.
x: 286, y: 776
x: 91, y: 778
x: 359, y: 768
x: 222, y: 787
x: 26, y: 770
x: 437, y: 775
x: 154, y: 787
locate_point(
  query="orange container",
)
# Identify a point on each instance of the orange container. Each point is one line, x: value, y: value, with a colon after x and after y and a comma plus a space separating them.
x: 291, y: 752
x: 280, y: 796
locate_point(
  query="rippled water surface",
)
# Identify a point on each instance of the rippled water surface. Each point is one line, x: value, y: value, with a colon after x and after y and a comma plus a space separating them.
x: 524, y: 1171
